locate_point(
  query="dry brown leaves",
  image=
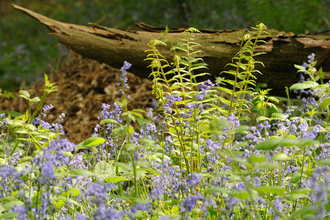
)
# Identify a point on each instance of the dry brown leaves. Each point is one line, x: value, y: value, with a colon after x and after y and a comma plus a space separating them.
x: 83, y: 85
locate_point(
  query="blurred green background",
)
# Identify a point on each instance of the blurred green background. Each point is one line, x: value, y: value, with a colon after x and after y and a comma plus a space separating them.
x: 27, y: 50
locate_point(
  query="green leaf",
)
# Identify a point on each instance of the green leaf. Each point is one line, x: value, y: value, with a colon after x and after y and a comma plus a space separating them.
x: 147, y: 141
x: 131, y: 146
x: 278, y: 190
x: 35, y: 99
x: 242, y: 195
x: 325, y: 103
x: 300, y: 193
x: 219, y: 122
x: 131, y: 116
x: 24, y: 94
x: 304, y: 85
x: 143, y: 121
x: 257, y: 158
x: 104, y: 169
x: 279, y: 116
x: 72, y: 192
x: 301, y: 212
x: 115, y: 179
x: 307, y: 142
x: 217, y: 190
x: 8, y: 205
x: 269, y: 144
x: 123, y: 165
x: 109, y: 121
x: 242, y: 129
x: 116, y: 132
x: 289, y: 142
x: 267, y: 165
x: 81, y: 172
x: 295, y: 178
x: 299, y: 67
x: 325, y: 162
x: 90, y: 143
x: 261, y: 118
x: 8, y: 215
x: 11, y: 113
x: 281, y: 157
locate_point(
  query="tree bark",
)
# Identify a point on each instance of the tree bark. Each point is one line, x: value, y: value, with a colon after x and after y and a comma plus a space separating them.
x: 113, y: 46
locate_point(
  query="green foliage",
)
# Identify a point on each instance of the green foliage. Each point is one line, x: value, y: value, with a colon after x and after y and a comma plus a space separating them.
x: 195, y: 159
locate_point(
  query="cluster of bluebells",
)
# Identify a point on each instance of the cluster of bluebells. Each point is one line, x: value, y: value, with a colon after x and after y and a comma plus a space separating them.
x: 170, y: 100
x: 123, y: 79
x: 204, y: 87
x: 169, y: 186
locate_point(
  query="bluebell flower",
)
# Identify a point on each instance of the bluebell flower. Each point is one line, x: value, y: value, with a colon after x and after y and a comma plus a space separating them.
x: 123, y: 79
x: 189, y: 203
x: 104, y: 213
x: 47, y: 107
x: 47, y: 174
x: 170, y: 100
x: 204, y: 86
x: 11, y: 173
x: 98, y: 192
x: 21, y: 210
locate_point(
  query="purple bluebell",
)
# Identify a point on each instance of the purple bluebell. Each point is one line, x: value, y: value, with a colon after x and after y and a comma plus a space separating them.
x: 21, y: 210
x: 204, y: 86
x: 189, y: 203
x: 123, y: 79
x: 47, y: 107
x: 170, y: 100
x: 98, y: 192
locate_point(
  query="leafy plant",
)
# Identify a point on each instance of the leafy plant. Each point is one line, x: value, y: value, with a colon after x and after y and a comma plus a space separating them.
x: 193, y: 159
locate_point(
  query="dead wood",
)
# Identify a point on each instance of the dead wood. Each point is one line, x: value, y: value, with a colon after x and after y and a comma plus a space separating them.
x: 113, y: 46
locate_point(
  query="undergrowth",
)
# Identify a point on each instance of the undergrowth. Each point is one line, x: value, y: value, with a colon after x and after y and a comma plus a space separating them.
x: 210, y: 150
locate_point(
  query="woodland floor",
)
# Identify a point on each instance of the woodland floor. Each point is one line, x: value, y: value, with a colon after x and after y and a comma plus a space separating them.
x: 83, y: 85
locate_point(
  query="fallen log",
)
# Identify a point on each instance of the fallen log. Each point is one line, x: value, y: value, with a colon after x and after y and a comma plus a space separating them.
x: 113, y: 46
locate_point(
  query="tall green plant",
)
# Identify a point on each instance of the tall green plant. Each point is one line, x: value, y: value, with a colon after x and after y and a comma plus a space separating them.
x: 183, y: 99
x: 244, y: 71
